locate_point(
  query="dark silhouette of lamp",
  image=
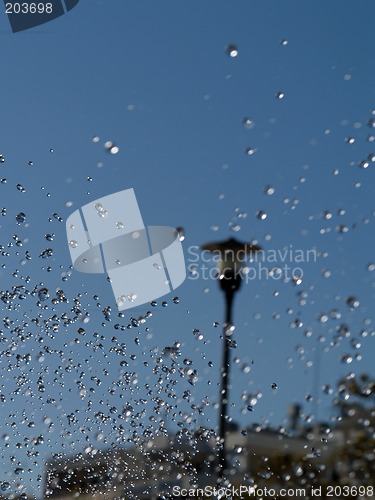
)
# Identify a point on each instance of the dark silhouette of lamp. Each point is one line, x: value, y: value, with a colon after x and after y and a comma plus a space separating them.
x: 232, y: 255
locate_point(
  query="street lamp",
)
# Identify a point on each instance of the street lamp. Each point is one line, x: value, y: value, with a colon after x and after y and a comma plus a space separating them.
x: 231, y: 257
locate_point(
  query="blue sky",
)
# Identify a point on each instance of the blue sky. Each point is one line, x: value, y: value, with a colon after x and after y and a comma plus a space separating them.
x: 156, y: 79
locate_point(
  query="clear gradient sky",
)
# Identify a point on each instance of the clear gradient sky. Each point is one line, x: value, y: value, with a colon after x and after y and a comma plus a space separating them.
x: 155, y: 78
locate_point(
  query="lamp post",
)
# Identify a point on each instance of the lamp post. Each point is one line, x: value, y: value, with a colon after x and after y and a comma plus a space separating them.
x: 232, y: 255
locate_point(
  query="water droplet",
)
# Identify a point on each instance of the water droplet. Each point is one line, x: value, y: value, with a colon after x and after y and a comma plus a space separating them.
x: 335, y: 314
x: 120, y: 225
x: 172, y: 351
x: 364, y: 164
x: 95, y: 138
x: 2, y: 159
x: 261, y: 215
x: 232, y: 50
x: 356, y: 344
x: 111, y: 147
x: 120, y: 300
x: 197, y: 334
x: 326, y: 273
x: 43, y: 294
x: 118, y: 262
x: 20, y: 218
x: 73, y: 243
x: 21, y: 188
x: 250, y: 151
x: 181, y: 233
x: 280, y: 95
x: 352, y: 303
x: 347, y: 359
x: 51, y: 150
x: 248, y: 122
x: 349, y: 140
x: 176, y: 300
x: 284, y: 42
x: 48, y: 252
x: 323, y: 318
x: 192, y: 376
x: 100, y: 210
x: 235, y: 227
x: 57, y: 217
x: 341, y: 228
x: 274, y: 386
x: 327, y: 214
x: 229, y: 329
x: 269, y: 190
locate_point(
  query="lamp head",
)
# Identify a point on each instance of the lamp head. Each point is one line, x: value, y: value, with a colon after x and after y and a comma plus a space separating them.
x: 232, y: 255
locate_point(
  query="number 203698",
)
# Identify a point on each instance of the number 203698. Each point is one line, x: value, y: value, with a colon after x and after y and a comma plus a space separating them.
x: 346, y: 491
x: 28, y: 8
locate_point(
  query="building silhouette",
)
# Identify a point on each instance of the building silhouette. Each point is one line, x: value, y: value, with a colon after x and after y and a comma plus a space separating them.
x: 301, y: 458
